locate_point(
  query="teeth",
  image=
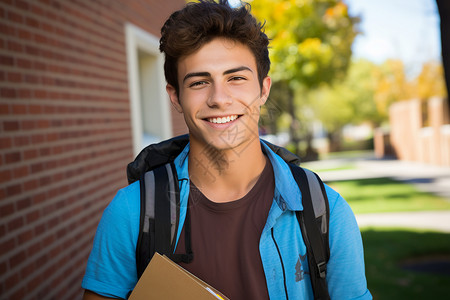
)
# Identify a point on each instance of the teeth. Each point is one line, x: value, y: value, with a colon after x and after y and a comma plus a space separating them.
x: 223, y: 120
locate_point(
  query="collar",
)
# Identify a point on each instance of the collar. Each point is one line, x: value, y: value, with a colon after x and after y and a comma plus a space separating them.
x: 287, y: 192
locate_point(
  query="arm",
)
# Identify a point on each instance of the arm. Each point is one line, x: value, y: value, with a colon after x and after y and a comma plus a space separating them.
x: 345, y: 270
x: 111, y: 268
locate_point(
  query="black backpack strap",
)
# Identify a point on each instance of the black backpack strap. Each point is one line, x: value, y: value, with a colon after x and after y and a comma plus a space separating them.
x: 159, y: 219
x: 314, y: 220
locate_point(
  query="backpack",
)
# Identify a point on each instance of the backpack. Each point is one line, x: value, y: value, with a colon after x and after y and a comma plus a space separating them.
x: 159, y: 189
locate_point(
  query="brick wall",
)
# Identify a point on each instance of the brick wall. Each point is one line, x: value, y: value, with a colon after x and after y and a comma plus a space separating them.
x: 410, y: 139
x: 65, y: 133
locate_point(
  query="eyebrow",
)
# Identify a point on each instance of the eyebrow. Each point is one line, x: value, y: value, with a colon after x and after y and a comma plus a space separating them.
x: 207, y: 74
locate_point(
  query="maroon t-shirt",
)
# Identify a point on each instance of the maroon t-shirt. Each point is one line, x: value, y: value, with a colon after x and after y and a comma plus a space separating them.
x: 225, y: 239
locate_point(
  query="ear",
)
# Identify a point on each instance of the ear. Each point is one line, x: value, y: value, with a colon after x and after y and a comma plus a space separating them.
x: 173, y: 96
x: 265, y: 90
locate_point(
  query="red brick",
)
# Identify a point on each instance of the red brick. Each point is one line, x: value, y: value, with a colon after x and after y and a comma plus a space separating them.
x: 21, y: 172
x: 44, y: 151
x: 11, y: 125
x: 32, y: 216
x: 34, y: 284
x: 17, y: 259
x: 30, y: 154
x: 52, y: 137
x: 7, y: 210
x: 40, y: 66
x: 14, y: 224
x: 32, y: 22
x: 33, y: 79
x: 40, y: 94
x: 13, y: 157
x: 4, y: 109
x: 43, y: 123
x: 22, y: 5
x: 19, y: 294
x: 3, y: 268
x: 12, y: 16
x: 24, y: 93
x: 28, y: 269
x: 39, y: 198
x: 5, y: 176
x: 6, y: 246
x: 47, y: 27
x: 23, y: 203
x: 8, y: 92
x: 6, y: 60
x: 8, y: 29
x: 12, y: 281
x: 46, y: 180
x: 38, y: 167
x: 13, y: 190
x: 2, y: 233
x: 19, y: 108
x: 26, y: 35
x: 37, y: 138
x: 15, y: 47
x: 28, y: 124
x: 14, y: 77
x: 24, y: 63
x: 25, y: 237
x: 5, y: 142
x: 20, y: 141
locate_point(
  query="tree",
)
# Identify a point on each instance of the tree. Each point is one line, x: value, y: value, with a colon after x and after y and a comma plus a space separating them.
x: 430, y: 82
x: 310, y: 45
x: 444, y: 13
x: 392, y: 85
x: 350, y: 101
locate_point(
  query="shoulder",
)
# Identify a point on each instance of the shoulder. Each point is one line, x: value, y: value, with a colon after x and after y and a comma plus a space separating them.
x: 126, y: 201
x: 111, y: 268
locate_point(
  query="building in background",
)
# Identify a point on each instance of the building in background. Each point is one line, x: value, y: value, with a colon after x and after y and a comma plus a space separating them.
x: 82, y: 90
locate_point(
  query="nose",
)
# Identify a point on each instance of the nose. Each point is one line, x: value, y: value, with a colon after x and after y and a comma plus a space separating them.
x: 220, y: 96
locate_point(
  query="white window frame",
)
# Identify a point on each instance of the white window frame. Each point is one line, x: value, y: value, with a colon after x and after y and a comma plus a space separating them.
x: 138, y: 40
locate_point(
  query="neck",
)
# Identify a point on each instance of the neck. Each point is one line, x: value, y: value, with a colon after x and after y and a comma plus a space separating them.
x: 225, y: 175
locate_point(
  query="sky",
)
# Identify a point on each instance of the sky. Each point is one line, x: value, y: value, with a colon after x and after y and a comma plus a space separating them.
x: 396, y: 29
x: 399, y: 29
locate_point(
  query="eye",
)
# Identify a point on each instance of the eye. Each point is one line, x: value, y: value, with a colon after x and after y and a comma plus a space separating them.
x: 198, y: 83
x: 237, y: 78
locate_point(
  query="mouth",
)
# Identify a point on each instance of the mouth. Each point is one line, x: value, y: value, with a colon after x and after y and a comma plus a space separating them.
x: 222, y: 120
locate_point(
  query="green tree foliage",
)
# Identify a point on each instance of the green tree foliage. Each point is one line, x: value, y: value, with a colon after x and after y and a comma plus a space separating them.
x: 310, y: 40
x: 310, y: 46
x: 392, y: 84
x: 350, y: 101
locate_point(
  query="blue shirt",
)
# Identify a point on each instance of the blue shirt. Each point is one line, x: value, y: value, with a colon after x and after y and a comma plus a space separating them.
x: 111, y: 269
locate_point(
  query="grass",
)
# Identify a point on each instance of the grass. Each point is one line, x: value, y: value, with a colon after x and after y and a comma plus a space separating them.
x: 378, y: 195
x: 340, y: 167
x: 347, y: 154
x: 386, y: 249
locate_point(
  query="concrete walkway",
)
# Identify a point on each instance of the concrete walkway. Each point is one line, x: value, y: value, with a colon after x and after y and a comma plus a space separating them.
x: 429, y: 178
x: 424, y: 220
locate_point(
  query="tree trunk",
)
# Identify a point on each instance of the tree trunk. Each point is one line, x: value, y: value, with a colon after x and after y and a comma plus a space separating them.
x: 444, y: 12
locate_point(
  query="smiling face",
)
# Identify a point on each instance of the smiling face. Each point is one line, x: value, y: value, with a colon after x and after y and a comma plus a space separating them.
x: 220, y: 95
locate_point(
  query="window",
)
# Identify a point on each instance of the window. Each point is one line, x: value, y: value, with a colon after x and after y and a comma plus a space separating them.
x: 149, y: 103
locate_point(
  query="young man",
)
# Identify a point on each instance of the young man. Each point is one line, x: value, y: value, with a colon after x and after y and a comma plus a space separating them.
x: 241, y: 196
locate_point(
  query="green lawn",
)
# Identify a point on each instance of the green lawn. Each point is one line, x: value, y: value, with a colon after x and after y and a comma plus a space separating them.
x: 386, y: 195
x: 387, y: 249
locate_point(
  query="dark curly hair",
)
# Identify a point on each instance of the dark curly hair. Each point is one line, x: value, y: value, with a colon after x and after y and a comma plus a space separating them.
x: 188, y: 29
